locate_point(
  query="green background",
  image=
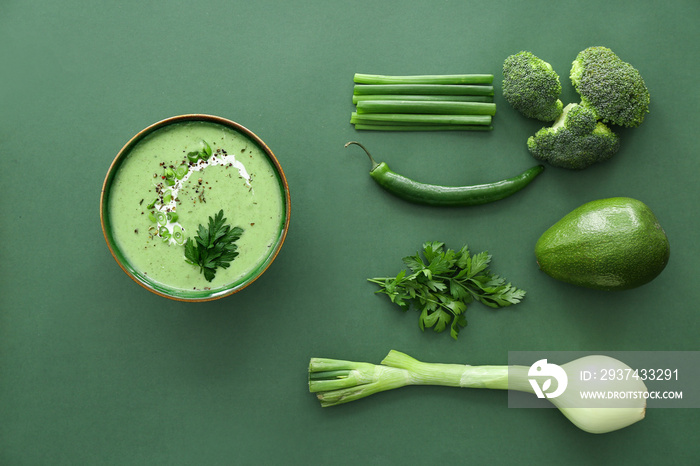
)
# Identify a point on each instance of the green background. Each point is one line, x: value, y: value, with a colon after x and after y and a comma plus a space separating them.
x: 96, y: 370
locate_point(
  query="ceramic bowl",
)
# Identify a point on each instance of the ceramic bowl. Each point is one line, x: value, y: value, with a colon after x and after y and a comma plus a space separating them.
x: 201, y: 293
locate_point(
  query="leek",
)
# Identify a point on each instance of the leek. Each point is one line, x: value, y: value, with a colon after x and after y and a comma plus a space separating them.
x: 336, y: 381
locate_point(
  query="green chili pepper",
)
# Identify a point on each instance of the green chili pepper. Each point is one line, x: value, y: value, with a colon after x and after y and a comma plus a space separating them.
x: 436, y: 195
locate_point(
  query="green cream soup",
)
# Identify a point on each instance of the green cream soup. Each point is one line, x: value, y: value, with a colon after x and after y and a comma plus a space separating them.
x: 177, y: 177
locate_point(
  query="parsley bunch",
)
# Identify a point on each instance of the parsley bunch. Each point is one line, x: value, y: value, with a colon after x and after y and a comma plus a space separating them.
x: 213, y: 247
x: 444, y: 284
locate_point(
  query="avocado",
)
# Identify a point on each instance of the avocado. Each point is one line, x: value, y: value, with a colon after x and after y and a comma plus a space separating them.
x: 607, y: 244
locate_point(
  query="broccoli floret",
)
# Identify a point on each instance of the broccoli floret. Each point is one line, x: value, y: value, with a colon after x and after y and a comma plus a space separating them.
x: 531, y: 86
x: 613, y: 88
x: 575, y: 141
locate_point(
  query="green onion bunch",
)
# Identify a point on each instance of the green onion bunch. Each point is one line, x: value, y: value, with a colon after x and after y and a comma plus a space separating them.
x: 454, y: 102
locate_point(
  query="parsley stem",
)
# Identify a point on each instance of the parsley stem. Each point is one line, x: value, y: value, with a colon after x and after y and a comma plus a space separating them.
x: 379, y: 280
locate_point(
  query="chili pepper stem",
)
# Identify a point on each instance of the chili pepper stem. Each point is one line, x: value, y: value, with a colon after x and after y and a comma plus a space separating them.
x: 374, y: 163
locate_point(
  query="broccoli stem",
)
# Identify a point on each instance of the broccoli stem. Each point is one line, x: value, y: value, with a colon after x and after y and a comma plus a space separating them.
x: 430, y: 98
x: 407, y: 118
x: 420, y: 107
x: 423, y: 89
x: 424, y: 79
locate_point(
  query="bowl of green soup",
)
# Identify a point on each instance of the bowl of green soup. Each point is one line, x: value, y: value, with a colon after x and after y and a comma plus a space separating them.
x: 195, y: 207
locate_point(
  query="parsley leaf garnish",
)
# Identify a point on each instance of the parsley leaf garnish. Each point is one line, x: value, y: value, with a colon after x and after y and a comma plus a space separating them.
x: 443, y: 282
x: 213, y: 246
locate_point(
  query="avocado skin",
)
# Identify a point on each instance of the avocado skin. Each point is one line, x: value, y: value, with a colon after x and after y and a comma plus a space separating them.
x: 608, y: 244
